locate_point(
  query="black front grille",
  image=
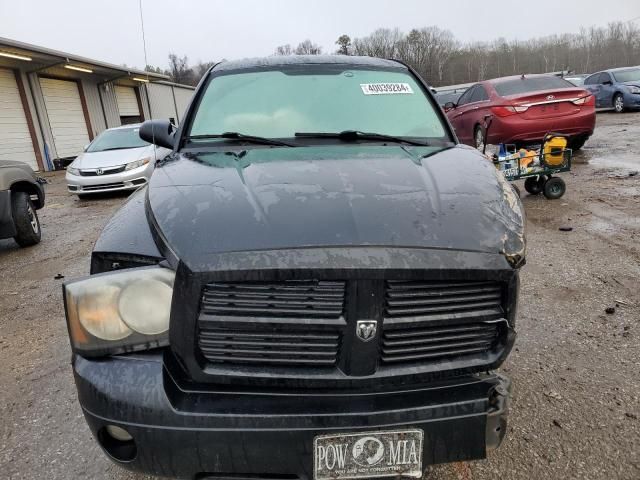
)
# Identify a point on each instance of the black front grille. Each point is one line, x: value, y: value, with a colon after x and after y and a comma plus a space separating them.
x: 411, y: 343
x: 269, y: 345
x: 299, y: 299
x: 437, y: 299
x: 259, y: 328
x: 103, y: 186
x: 291, y: 323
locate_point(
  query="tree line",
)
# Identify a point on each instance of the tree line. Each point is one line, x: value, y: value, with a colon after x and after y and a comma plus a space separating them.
x: 441, y: 59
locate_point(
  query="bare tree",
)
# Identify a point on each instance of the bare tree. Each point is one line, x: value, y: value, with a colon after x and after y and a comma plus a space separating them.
x: 284, y: 50
x: 307, y: 47
x: 440, y: 59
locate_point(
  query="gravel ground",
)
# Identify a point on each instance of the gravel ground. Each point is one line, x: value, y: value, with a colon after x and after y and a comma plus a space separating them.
x: 575, y: 369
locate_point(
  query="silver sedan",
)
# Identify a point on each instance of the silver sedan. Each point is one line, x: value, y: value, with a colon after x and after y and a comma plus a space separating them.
x: 117, y: 159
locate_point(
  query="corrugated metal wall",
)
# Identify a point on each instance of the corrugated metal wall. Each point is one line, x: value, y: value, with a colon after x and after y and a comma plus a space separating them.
x: 48, y: 146
x: 110, y: 105
x: 162, y: 102
x: 183, y: 97
x: 166, y: 101
x: 96, y: 117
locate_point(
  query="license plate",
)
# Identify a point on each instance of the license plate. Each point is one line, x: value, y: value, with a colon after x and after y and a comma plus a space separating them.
x: 368, y: 455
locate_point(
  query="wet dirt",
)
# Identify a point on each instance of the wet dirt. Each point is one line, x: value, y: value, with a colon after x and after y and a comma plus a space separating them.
x: 575, y: 369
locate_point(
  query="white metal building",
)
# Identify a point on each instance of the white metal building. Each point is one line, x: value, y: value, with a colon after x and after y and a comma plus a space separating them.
x: 54, y: 103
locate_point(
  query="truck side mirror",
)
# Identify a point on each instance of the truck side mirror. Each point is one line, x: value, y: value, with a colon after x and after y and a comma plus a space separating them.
x: 158, y: 132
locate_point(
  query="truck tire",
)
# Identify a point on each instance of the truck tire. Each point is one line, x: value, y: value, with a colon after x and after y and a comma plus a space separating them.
x: 618, y: 103
x: 25, y: 220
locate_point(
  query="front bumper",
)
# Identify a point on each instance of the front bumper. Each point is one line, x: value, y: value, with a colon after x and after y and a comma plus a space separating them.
x: 188, y: 432
x: 127, y: 180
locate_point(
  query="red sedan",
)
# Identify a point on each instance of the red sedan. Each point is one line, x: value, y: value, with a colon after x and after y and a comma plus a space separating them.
x: 522, y: 110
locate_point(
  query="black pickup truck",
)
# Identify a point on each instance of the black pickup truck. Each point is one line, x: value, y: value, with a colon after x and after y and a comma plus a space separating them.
x: 318, y: 283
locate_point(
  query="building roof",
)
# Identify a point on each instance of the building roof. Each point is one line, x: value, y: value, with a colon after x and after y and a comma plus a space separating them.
x: 43, y: 58
x: 293, y: 60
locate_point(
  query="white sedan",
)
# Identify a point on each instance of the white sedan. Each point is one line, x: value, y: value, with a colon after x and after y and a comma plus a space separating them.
x: 117, y: 159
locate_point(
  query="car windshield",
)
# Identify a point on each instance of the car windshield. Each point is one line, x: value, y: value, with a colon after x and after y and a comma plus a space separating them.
x: 530, y: 84
x: 117, y: 139
x: 322, y: 98
x: 630, y: 75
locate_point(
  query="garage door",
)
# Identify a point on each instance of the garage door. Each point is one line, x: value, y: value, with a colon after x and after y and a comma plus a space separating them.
x: 66, y: 117
x: 183, y: 97
x: 127, y: 101
x: 15, y: 139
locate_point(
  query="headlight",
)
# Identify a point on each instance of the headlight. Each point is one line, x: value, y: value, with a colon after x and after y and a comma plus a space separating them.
x: 119, y: 312
x: 137, y: 163
x: 634, y: 89
x: 73, y: 171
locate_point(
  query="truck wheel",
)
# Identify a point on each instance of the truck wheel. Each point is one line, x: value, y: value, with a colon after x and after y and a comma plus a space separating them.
x: 25, y: 219
x: 554, y: 188
x: 534, y: 185
x: 618, y: 103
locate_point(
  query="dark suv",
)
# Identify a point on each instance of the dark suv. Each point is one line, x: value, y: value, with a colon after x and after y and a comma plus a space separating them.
x: 317, y: 283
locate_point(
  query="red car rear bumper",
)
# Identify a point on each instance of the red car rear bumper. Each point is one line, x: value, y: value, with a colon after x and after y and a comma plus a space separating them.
x: 515, y: 129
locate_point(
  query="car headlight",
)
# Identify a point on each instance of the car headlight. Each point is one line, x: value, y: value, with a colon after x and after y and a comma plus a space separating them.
x: 73, y: 171
x: 137, y: 163
x: 120, y: 311
x: 634, y: 89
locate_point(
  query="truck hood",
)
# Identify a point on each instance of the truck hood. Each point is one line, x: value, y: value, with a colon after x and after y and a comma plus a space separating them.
x: 282, y: 198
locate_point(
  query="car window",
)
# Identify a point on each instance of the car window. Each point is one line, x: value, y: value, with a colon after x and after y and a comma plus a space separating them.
x: 466, y: 96
x: 629, y: 75
x: 592, y: 79
x: 280, y: 102
x: 530, y: 84
x: 117, y: 139
x: 605, y: 77
x: 479, y: 94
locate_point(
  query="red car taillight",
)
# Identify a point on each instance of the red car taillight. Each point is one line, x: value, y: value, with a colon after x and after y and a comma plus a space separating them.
x: 588, y: 100
x: 506, y: 110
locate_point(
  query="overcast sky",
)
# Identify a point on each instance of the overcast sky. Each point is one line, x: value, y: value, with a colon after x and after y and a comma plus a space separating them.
x: 211, y: 30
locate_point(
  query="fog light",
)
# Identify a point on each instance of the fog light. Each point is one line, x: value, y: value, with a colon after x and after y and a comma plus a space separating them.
x: 119, y: 433
x: 117, y: 443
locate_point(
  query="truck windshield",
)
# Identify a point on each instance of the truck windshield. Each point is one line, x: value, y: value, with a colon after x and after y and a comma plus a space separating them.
x: 278, y: 103
x: 118, y: 139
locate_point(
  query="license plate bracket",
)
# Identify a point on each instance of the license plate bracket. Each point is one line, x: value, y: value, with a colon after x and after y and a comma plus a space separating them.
x: 368, y: 455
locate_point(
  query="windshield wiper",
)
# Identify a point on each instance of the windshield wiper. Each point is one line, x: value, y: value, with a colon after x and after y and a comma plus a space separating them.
x: 243, y: 137
x: 353, y: 135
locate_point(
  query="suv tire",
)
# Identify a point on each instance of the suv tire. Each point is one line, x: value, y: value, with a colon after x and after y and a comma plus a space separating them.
x: 25, y: 220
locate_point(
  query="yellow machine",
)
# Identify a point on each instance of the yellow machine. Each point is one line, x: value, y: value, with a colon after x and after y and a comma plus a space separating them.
x: 553, y: 147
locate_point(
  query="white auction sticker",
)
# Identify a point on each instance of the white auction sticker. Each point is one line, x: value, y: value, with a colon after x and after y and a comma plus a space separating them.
x: 386, y: 88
